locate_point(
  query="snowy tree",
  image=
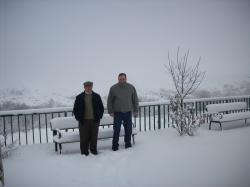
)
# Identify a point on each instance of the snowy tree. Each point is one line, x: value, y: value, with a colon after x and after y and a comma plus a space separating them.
x: 183, y: 117
x: 186, y: 79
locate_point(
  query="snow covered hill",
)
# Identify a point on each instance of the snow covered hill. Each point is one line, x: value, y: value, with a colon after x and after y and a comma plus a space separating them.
x: 13, y: 99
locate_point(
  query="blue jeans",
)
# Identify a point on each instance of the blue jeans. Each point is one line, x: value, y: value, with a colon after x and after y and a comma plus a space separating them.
x: 126, y: 119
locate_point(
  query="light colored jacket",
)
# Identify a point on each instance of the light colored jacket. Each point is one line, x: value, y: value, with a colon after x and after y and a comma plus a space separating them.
x: 122, y: 98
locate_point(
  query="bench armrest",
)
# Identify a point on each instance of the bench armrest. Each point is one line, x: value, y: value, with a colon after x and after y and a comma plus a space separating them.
x: 211, y: 115
x: 217, y: 115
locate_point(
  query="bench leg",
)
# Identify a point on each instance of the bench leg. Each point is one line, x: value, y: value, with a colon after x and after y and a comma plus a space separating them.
x: 54, y: 134
x: 60, y: 147
x: 215, y: 122
x: 55, y: 147
x: 210, y: 125
x: 220, y: 126
x: 133, y: 137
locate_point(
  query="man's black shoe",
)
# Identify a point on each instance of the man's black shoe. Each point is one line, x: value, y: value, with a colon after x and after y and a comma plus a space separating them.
x: 94, y: 152
x: 114, y: 148
x: 85, y: 153
x: 128, y: 146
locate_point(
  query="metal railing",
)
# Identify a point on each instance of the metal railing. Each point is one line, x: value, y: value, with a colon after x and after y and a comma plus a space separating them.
x: 32, y: 126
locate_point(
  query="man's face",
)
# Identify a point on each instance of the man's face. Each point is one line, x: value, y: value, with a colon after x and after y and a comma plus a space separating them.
x: 88, y: 88
x: 122, y: 79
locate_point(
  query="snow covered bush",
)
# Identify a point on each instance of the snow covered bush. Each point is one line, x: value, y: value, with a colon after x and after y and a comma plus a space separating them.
x: 183, y: 117
x: 186, y: 80
x: 5, y: 149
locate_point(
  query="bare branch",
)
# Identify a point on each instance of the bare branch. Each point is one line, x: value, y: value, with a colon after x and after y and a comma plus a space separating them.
x: 186, y: 78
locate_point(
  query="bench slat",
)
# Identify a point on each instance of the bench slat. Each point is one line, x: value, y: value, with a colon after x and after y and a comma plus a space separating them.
x: 223, y: 107
x: 63, y: 123
x: 69, y: 137
x: 233, y: 117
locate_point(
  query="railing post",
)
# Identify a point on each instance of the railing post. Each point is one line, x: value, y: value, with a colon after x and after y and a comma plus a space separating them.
x: 144, y: 116
x: 159, y: 116
x: 19, y: 130
x: 164, y: 116
x: 33, y: 130
x: 39, y: 126
x: 149, y: 117
x: 4, y: 132
x: 46, y: 126
x: 154, y: 117
x: 139, y: 118
x: 168, y: 117
x: 25, y: 125
x: 11, y: 129
x: 196, y: 108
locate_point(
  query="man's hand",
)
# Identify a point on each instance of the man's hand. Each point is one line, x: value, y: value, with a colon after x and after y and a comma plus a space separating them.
x: 135, y: 114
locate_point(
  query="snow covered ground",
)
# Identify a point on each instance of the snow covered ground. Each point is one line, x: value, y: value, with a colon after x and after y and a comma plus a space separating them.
x: 159, y: 158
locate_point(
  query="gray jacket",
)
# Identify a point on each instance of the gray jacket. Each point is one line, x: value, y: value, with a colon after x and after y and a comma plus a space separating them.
x: 122, y: 98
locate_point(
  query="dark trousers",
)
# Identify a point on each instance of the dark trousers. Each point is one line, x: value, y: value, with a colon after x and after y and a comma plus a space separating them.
x: 126, y: 119
x: 88, y: 135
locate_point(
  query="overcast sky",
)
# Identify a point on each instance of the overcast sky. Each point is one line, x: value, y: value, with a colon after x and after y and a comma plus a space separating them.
x: 56, y: 45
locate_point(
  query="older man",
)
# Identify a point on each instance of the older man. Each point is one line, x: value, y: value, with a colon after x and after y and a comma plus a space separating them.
x: 88, y: 110
x: 122, y: 103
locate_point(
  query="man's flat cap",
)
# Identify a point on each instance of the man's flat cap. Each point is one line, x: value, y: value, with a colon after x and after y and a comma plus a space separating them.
x: 88, y: 83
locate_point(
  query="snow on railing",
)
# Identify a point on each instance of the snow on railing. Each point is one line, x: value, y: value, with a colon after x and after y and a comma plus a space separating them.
x: 36, y: 111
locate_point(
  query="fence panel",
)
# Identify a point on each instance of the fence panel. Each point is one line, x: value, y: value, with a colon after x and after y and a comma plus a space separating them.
x: 32, y: 126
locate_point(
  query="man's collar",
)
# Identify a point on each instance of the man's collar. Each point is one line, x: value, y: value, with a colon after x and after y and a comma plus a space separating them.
x: 88, y: 93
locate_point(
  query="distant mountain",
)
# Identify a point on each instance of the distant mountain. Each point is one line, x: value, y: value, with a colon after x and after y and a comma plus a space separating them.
x: 242, y: 88
x: 14, y: 99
